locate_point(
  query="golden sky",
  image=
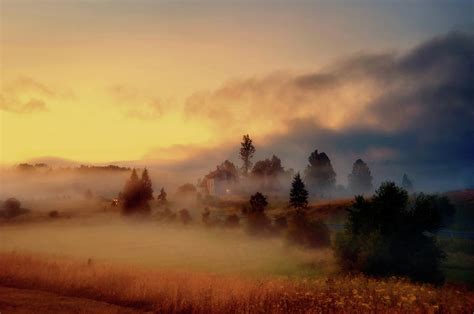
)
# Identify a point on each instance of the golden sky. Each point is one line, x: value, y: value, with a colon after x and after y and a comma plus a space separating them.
x: 102, y: 81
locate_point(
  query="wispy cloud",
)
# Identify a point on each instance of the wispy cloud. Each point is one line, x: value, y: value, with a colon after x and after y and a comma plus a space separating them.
x: 136, y: 103
x: 25, y: 95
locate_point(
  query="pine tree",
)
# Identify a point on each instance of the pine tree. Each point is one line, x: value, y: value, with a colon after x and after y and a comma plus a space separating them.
x: 298, y: 193
x: 360, y: 180
x: 130, y: 195
x: 146, y: 187
x: 162, y: 196
x: 136, y: 193
x: 247, y: 150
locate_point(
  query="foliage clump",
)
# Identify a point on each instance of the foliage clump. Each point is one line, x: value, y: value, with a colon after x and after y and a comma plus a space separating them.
x: 257, y: 221
x: 360, y: 180
x: 11, y: 208
x: 319, y: 174
x: 136, y: 194
x: 390, y: 235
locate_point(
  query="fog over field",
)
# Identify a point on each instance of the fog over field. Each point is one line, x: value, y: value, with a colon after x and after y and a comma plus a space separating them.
x: 157, y: 246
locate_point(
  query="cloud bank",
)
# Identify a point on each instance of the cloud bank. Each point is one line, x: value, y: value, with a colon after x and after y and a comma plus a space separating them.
x: 402, y: 113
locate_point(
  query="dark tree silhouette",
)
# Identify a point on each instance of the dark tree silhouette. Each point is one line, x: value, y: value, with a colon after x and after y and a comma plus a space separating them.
x: 136, y: 194
x: 162, y: 196
x: 146, y: 187
x: 390, y: 235
x: 407, y: 184
x: 257, y: 221
x: 11, y: 208
x: 268, y: 167
x: 298, y: 193
x: 247, y: 150
x: 360, y: 180
x: 319, y: 174
x: 258, y: 202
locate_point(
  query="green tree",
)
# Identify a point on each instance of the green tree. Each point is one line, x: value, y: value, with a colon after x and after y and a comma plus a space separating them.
x: 390, y: 234
x: 298, y: 193
x: 247, y: 150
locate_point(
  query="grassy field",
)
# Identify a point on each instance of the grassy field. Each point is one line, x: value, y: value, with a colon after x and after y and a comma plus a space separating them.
x: 185, y: 292
x: 155, y: 266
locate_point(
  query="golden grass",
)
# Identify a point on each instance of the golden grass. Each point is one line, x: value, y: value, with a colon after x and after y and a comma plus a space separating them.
x: 186, y: 292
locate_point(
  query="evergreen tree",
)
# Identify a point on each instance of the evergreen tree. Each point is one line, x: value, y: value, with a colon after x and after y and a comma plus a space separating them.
x: 136, y: 193
x: 247, y: 150
x: 162, y: 196
x: 298, y: 193
x: 360, y: 180
x: 319, y: 174
x: 146, y: 187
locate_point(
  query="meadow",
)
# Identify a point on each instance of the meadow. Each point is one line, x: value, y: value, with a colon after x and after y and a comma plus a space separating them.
x: 203, y: 292
x: 93, y: 253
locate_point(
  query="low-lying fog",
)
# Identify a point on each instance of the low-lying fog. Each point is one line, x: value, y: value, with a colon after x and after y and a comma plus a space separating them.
x: 119, y: 240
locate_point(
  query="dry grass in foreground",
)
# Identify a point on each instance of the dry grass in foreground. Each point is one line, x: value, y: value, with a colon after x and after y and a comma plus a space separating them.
x: 185, y: 292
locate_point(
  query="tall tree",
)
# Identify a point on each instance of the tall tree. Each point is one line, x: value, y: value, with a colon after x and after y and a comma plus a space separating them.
x: 146, y: 187
x: 247, y: 150
x: 360, y: 180
x: 298, y: 193
x: 319, y: 174
x: 136, y: 193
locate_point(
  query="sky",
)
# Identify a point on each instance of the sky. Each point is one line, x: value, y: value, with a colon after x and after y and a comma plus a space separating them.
x: 181, y: 81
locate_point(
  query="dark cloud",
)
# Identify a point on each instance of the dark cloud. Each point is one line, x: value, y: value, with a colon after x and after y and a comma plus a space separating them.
x: 413, y: 113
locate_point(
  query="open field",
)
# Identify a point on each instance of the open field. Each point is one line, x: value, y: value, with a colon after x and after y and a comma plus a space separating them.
x: 94, y: 255
x: 197, y: 292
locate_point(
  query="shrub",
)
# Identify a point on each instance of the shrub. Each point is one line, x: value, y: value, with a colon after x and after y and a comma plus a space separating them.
x: 257, y: 220
x: 12, y: 208
x: 306, y: 232
x: 389, y: 235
